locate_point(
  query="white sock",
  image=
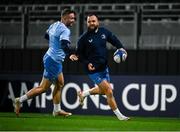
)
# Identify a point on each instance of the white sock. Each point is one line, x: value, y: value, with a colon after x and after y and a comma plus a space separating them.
x: 57, y: 107
x: 23, y: 98
x: 85, y: 93
x: 118, y: 114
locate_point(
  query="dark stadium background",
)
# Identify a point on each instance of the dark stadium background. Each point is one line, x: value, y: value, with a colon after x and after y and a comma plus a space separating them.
x: 150, y: 32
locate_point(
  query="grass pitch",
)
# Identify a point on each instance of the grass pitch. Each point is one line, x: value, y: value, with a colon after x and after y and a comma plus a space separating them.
x: 46, y: 122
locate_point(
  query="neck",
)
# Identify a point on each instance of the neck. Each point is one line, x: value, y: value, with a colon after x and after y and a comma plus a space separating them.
x: 63, y: 21
x: 93, y: 31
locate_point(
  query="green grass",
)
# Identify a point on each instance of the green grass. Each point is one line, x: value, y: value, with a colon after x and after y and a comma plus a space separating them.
x: 46, y: 122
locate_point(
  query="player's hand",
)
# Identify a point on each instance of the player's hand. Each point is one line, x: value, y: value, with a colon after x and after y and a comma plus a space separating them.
x: 73, y: 57
x: 91, y: 67
x: 124, y: 55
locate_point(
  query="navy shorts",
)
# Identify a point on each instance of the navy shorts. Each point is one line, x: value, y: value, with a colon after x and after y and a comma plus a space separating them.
x: 51, y: 68
x: 98, y: 77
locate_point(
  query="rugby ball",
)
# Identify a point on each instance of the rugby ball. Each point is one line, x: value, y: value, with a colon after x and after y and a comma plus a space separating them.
x: 119, y: 56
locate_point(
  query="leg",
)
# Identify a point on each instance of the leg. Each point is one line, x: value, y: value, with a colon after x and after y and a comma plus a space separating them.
x: 107, y: 90
x: 95, y: 90
x: 44, y: 85
x: 96, y: 78
x: 92, y: 91
x: 57, y: 97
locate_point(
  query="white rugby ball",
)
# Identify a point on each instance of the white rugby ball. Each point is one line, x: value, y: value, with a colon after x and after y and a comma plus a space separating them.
x: 119, y: 56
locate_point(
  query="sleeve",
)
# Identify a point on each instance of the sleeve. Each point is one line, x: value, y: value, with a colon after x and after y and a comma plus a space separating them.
x: 80, y: 50
x: 111, y: 38
x: 46, y: 36
x: 65, y: 35
x: 65, y: 46
x: 65, y: 41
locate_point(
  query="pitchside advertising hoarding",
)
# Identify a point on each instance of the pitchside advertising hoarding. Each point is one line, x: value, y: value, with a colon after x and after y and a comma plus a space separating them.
x: 135, y: 95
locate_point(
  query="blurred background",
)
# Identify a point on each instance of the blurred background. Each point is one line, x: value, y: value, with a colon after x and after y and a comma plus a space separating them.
x: 148, y: 29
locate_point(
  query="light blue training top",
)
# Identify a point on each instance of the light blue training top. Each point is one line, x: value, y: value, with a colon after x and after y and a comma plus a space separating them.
x: 57, y: 32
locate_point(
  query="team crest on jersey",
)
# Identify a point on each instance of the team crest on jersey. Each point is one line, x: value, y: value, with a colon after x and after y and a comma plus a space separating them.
x: 90, y: 40
x: 103, y: 36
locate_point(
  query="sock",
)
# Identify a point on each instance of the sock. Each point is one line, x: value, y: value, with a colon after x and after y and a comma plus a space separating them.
x: 85, y: 93
x: 23, y: 98
x: 118, y: 114
x: 57, y: 107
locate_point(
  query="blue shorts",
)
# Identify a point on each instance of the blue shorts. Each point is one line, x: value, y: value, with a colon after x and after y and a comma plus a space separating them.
x: 98, y: 77
x: 51, y: 68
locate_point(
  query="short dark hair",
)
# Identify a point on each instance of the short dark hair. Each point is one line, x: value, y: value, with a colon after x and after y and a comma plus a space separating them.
x: 67, y: 11
x: 92, y: 14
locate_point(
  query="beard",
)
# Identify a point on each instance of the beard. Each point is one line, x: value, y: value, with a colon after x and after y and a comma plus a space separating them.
x: 69, y: 24
x: 92, y: 29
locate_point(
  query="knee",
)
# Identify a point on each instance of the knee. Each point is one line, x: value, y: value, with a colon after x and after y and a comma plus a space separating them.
x: 109, y: 93
x: 61, y: 84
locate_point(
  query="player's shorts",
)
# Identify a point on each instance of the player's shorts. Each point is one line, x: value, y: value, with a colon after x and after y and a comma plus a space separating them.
x: 51, y: 68
x: 98, y: 77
